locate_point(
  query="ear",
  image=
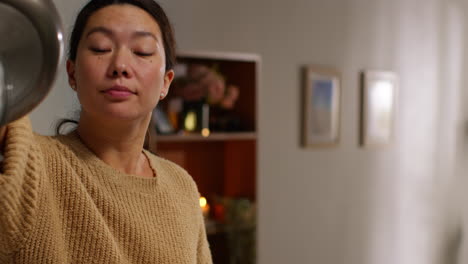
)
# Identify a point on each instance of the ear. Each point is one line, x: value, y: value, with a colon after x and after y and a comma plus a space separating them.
x: 168, y: 77
x: 71, y: 74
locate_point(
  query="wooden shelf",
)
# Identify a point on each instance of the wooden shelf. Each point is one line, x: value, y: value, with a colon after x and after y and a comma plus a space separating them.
x: 212, y: 137
x: 225, y: 56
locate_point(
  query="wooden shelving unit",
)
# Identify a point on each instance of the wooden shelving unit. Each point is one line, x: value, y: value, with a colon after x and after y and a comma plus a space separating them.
x: 223, y: 164
x: 212, y: 137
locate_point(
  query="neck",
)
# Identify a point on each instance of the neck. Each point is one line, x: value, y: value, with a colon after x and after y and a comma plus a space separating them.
x: 117, y: 143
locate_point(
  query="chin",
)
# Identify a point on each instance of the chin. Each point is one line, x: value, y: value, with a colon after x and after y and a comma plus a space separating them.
x: 122, y: 112
x: 123, y: 116
x: 126, y: 114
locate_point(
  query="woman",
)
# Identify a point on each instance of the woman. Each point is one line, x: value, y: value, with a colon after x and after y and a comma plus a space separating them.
x: 95, y: 195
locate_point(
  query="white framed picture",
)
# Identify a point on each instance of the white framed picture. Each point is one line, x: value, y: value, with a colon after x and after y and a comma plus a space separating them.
x: 378, y: 106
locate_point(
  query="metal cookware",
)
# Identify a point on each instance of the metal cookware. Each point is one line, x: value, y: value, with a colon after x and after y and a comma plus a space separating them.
x: 31, y: 47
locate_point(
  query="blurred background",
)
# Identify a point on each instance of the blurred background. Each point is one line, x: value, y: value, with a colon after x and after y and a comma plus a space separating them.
x: 402, y: 203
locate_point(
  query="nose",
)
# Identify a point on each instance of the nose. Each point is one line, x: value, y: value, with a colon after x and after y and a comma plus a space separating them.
x: 119, y: 66
x: 120, y: 70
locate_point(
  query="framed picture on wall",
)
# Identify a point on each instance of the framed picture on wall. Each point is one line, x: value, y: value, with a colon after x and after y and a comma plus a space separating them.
x: 321, y: 107
x: 378, y: 105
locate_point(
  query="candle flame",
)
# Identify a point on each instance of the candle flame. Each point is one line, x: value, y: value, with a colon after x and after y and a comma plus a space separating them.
x: 205, y: 132
x: 203, y: 202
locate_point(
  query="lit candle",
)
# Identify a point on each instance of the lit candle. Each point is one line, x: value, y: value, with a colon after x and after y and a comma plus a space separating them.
x: 205, y: 207
x: 190, y: 122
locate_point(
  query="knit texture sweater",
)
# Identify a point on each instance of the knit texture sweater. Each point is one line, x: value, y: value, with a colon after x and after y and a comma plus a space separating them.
x: 59, y: 203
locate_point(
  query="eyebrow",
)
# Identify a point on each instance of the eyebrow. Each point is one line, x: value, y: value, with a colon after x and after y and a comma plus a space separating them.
x: 103, y: 30
x: 144, y: 34
x: 110, y: 33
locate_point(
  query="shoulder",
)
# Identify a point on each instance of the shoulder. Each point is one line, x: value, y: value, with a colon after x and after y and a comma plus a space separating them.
x: 50, y: 143
x: 20, y: 132
x: 60, y: 148
x: 171, y: 173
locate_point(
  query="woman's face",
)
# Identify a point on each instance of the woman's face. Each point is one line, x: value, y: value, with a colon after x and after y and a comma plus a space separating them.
x: 119, y: 71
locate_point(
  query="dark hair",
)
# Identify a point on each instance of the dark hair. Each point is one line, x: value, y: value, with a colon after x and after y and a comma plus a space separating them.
x: 150, y: 6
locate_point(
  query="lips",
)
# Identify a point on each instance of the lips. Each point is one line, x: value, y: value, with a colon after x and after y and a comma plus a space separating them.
x: 118, y: 92
x: 119, y: 88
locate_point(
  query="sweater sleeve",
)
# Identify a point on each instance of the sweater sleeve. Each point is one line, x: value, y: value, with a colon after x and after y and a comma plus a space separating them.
x: 204, y: 253
x: 19, y: 184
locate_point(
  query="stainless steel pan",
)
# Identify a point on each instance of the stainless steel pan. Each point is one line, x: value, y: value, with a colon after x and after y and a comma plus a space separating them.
x: 31, y: 47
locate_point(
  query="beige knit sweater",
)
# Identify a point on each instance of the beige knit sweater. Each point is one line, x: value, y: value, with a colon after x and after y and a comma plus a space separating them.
x: 59, y: 203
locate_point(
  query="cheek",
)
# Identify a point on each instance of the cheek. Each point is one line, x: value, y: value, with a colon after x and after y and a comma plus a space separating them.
x: 154, y: 78
x: 88, y: 70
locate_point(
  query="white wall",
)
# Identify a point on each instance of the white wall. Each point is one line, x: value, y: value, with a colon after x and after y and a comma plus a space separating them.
x: 343, y: 205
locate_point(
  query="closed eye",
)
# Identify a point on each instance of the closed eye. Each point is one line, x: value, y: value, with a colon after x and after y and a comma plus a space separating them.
x: 143, y: 54
x: 98, y: 50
